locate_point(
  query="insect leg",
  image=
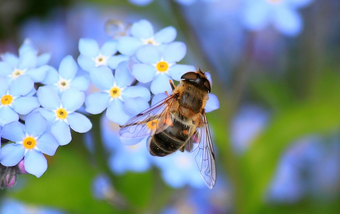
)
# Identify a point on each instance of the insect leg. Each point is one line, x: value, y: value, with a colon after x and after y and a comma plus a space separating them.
x: 172, y: 85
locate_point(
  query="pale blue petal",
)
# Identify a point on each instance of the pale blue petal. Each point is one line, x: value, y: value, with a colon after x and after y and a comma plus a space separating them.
x: 256, y: 15
x: 166, y: 35
x: 134, y: 106
x: 143, y: 72
x: 102, y: 77
x: 47, y: 144
x: 12, y: 154
x: 212, y: 104
x: 50, y: 116
x: 109, y: 48
x: 4, y: 86
x: 157, y: 98
x: 136, y: 91
x: 299, y: 3
x: 5, y: 69
x: 21, y: 85
x: 208, y: 75
x: 72, y: 99
x: 36, y: 124
x: 148, y: 54
x: 128, y: 45
x: 68, y: 68
x: 14, y: 131
x: 48, y: 98
x: 81, y: 82
x: 161, y: 84
x: 88, y: 48
x: 174, y: 52
x: 113, y: 61
x: 11, y: 59
x: 24, y: 105
x: 176, y: 71
x: 142, y: 29
x: 28, y: 60
x: 27, y: 46
x: 52, y: 77
x: 79, y: 123
x: 115, y: 112
x: 86, y: 63
x: 287, y: 21
x: 35, y: 163
x: 123, y: 76
x: 7, y: 115
x: 43, y: 59
x: 97, y: 102
x: 38, y: 74
x: 61, y: 131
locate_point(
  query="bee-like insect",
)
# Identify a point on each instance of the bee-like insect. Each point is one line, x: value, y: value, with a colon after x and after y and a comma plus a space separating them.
x: 179, y: 123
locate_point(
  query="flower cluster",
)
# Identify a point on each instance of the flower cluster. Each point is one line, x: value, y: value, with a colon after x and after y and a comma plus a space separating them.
x: 41, y: 105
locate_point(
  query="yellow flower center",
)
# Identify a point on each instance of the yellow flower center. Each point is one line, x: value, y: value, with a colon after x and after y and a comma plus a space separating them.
x: 115, y: 92
x: 29, y: 143
x: 152, y: 124
x: 150, y: 41
x: 162, y: 66
x: 16, y: 73
x: 6, y: 99
x: 100, y: 60
x: 61, y: 113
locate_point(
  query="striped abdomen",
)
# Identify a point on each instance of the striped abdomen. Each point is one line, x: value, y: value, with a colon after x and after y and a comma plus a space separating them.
x: 170, y: 140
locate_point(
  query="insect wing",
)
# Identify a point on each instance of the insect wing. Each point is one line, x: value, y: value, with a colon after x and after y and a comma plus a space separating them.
x: 204, y: 153
x: 148, y: 122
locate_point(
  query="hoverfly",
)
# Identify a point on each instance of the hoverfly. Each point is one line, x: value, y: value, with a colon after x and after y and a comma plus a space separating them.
x: 179, y: 123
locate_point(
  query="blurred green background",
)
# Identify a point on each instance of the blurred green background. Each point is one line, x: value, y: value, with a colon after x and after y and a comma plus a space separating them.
x: 276, y: 133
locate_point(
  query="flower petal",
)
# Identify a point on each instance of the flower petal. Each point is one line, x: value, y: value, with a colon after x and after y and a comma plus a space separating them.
x: 36, y: 124
x: 122, y: 75
x: 14, y: 131
x: 61, y: 131
x: 176, y: 71
x: 174, y: 52
x: 212, y: 104
x: 143, y: 72
x: 43, y: 59
x: 79, y: 122
x: 166, y: 35
x: 52, y: 77
x: 47, y: 144
x: 81, y: 82
x: 142, y: 29
x: 68, y: 68
x: 116, y: 113
x: 24, y: 105
x: 136, y: 91
x: 86, y: 63
x: 7, y: 115
x: 48, y: 97
x: 256, y: 15
x: 27, y: 60
x: 128, y: 45
x: 113, y: 61
x: 133, y: 106
x: 12, y: 154
x: 38, y: 74
x: 72, y: 99
x: 287, y: 21
x: 5, y: 68
x: 35, y: 163
x: 21, y: 85
x: 97, y: 102
x: 88, y: 47
x: 161, y: 84
x: 10, y: 59
x: 102, y: 77
x: 148, y: 54
x: 109, y: 48
x: 3, y: 86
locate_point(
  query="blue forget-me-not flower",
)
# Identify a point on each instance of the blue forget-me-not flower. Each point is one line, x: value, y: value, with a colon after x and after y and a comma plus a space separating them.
x: 115, y: 90
x: 91, y: 56
x: 282, y: 14
x: 31, y: 141
x: 61, y: 113
x: 16, y: 99
x: 28, y: 63
x: 66, y: 77
x: 159, y: 65
x: 142, y: 33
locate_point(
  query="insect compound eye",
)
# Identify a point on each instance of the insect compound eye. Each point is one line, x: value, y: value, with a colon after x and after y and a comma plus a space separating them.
x: 207, y: 85
x: 190, y: 76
